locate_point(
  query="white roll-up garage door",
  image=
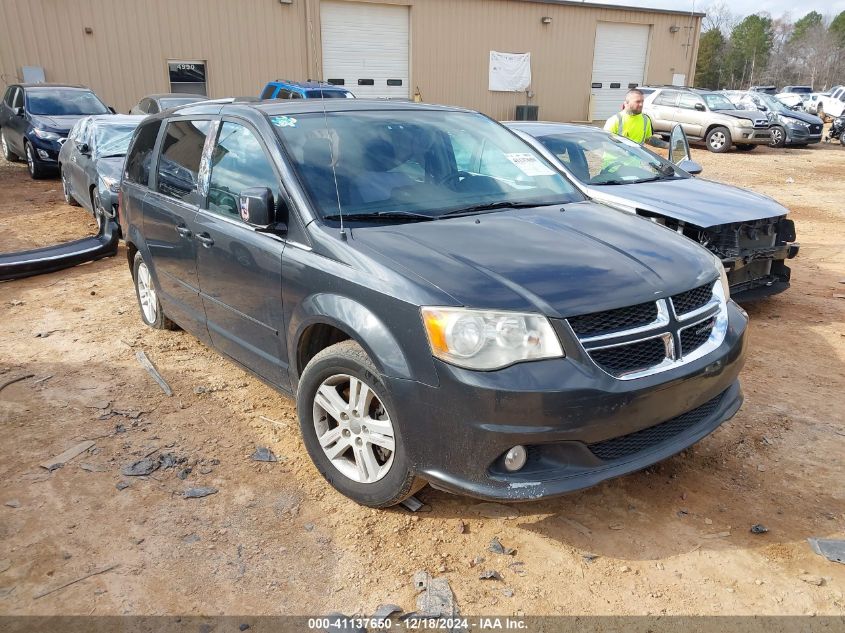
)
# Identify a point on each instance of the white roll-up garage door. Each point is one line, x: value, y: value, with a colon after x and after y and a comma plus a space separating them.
x: 618, y: 63
x: 365, y: 46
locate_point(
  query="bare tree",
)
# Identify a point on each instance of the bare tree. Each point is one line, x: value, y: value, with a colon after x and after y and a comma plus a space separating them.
x: 719, y: 16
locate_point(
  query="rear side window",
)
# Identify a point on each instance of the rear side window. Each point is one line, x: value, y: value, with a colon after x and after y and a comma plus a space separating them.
x: 181, y: 153
x: 268, y: 92
x: 238, y: 163
x: 283, y: 94
x: 140, y: 153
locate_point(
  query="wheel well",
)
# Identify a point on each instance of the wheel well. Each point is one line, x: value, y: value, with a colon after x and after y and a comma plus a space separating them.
x: 314, y: 340
x: 131, y: 249
x: 713, y: 126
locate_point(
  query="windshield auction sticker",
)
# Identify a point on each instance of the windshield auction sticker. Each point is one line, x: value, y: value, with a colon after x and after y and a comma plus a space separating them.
x: 529, y: 165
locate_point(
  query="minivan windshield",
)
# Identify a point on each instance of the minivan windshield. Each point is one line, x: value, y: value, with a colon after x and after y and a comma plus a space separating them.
x: 63, y: 102
x: 598, y: 158
x: 113, y: 140
x: 416, y: 164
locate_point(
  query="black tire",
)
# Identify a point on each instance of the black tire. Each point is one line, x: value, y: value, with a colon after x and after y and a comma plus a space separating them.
x: 159, y: 320
x: 842, y: 138
x: 718, y: 140
x: 745, y: 147
x: 69, y: 199
x: 8, y: 154
x: 36, y: 171
x: 778, y: 137
x: 329, y: 369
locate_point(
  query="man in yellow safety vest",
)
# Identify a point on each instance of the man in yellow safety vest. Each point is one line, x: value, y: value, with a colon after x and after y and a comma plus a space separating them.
x: 632, y: 123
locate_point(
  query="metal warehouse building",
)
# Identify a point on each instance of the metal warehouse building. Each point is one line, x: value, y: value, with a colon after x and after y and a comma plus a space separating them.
x: 583, y: 57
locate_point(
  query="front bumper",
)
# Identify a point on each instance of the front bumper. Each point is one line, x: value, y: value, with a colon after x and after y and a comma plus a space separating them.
x: 751, y: 135
x: 800, y: 135
x: 567, y: 412
x: 46, y: 150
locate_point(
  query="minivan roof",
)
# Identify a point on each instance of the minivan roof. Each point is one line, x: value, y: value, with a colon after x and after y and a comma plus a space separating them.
x: 307, y: 106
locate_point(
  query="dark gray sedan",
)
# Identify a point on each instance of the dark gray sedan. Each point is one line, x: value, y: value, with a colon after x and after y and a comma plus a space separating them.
x: 91, y: 162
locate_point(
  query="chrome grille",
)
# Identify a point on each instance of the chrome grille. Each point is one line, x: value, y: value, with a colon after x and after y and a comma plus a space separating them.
x: 613, y: 320
x: 637, y: 356
x: 692, y: 299
x: 646, y: 338
x: 626, y: 445
x: 696, y: 335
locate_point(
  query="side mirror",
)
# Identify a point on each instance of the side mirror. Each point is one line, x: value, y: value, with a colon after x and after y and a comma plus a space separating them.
x: 678, y: 145
x: 691, y: 167
x: 256, y: 206
x: 18, y: 111
x: 84, y: 149
x: 700, y: 107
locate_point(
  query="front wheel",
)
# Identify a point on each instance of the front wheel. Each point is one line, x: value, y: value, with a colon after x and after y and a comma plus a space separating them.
x: 36, y: 171
x: 718, y: 140
x: 350, y: 427
x: 145, y: 291
x: 745, y: 147
x: 778, y: 137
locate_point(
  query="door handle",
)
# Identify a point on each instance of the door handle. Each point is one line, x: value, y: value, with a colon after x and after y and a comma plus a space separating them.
x: 205, y: 239
x: 183, y: 230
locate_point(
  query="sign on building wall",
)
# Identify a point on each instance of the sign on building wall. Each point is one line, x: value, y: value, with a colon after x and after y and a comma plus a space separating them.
x: 510, y: 72
x: 187, y: 76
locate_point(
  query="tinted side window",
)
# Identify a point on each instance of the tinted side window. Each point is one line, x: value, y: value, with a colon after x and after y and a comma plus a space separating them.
x: 140, y: 154
x: 238, y: 163
x: 295, y: 95
x: 267, y: 93
x: 17, y: 99
x: 667, y: 97
x: 283, y: 94
x: 179, y: 162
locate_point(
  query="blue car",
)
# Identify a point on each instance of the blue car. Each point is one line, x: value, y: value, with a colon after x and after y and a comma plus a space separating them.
x: 35, y: 120
x: 283, y: 89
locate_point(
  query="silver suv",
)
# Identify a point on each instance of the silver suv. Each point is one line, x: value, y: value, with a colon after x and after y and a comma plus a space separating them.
x: 709, y: 117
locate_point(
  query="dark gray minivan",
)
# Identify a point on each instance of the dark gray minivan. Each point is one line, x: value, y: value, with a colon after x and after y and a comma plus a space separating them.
x: 445, y: 306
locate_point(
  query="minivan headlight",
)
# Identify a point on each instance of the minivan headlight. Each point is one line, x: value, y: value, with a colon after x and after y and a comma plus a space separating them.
x: 484, y: 339
x: 723, y: 277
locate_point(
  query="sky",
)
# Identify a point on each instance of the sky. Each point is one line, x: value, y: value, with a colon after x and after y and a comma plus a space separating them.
x: 743, y: 7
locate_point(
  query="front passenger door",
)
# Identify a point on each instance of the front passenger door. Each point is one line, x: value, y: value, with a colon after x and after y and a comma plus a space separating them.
x: 691, y: 113
x: 240, y: 268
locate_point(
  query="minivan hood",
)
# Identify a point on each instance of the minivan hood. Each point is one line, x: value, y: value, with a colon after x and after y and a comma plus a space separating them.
x: 59, y: 124
x: 696, y: 201
x: 561, y: 261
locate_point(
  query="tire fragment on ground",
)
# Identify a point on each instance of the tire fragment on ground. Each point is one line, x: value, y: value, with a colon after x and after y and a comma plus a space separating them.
x: 436, y: 599
x: 199, y: 493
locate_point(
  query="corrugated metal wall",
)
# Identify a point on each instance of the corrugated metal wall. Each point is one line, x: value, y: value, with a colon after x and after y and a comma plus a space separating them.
x: 247, y: 42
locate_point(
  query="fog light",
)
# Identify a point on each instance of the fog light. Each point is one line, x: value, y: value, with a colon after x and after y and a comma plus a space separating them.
x: 43, y: 154
x: 515, y: 458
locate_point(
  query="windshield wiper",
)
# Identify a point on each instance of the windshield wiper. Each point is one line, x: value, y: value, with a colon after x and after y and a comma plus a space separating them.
x: 380, y: 215
x: 111, y: 156
x: 494, y: 206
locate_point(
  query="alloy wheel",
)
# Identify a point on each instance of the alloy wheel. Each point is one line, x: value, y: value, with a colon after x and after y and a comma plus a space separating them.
x: 777, y: 136
x: 30, y: 159
x: 6, y: 152
x: 717, y: 140
x: 353, y: 428
x: 147, y: 293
